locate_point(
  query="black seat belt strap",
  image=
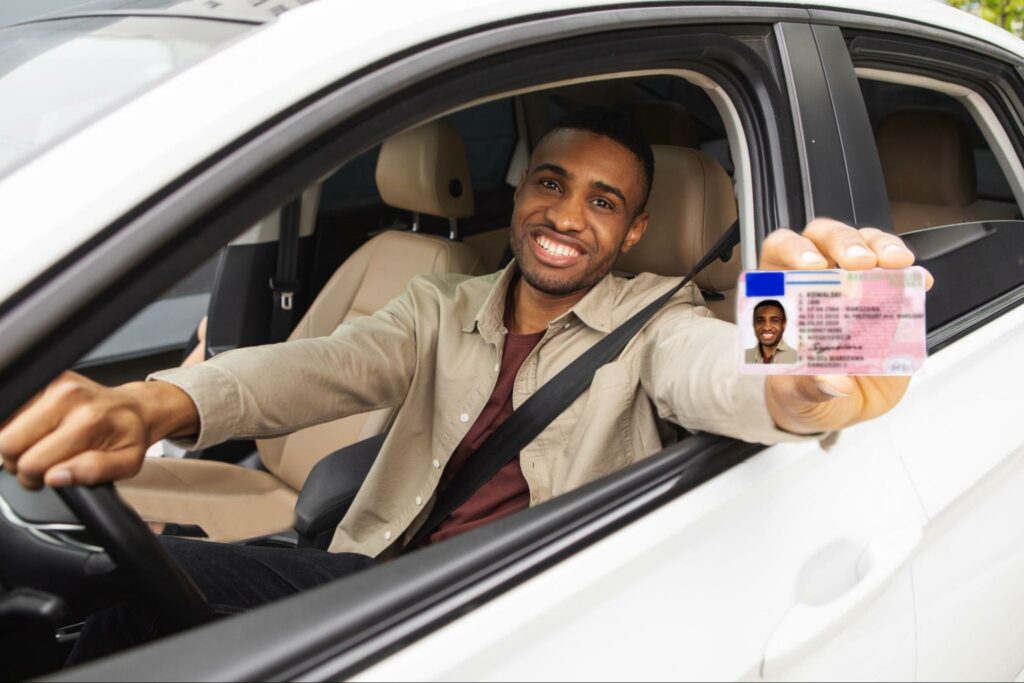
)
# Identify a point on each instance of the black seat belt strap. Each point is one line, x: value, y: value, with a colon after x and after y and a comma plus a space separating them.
x: 551, y: 400
x: 285, y: 282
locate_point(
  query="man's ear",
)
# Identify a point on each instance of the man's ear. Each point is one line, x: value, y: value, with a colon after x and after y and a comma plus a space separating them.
x: 636, y: 230
x: 519, y: 185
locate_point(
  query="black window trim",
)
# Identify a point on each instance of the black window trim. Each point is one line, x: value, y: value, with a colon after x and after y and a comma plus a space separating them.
x: 197, y: 215
x: 999, y: 83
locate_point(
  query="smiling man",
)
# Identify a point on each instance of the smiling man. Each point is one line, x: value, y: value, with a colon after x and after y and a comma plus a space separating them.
x: 456, y: 355
x: 769, y: 326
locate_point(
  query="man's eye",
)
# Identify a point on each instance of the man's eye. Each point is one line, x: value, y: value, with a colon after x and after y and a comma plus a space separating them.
x: 549, y: 184
x: 602, y: 203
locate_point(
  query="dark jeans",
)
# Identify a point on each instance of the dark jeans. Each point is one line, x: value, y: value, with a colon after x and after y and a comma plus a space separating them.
x: 233, y: 578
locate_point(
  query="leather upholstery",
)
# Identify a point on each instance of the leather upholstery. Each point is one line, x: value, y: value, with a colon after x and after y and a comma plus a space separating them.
x: 929, y: 172
x: 232, y: 503
x: 691, y: 205
x: 426, y: 170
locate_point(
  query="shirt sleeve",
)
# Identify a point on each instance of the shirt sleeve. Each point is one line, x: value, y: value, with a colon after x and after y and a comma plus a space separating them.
x: 265, y: 391
x: 690, y: 369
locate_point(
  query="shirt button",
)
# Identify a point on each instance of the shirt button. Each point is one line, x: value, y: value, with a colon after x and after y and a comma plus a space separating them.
x: 568, y: 325
x: 464, y: 418
x: 419, y: 501
x: 387, y: 535
x: 497, y: 366
x: 437, y: 464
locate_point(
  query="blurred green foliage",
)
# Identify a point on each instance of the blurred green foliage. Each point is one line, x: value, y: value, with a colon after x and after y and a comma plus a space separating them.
x: 1009, y: 14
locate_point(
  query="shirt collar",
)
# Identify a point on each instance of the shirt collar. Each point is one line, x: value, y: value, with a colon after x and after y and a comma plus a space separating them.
x: 593, y: 310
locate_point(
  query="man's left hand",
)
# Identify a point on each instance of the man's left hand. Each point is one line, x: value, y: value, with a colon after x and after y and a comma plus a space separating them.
x: 809, y: 404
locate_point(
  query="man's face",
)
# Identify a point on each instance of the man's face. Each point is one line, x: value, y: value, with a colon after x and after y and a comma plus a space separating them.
x: 576, y: 209
x: 769, y: 324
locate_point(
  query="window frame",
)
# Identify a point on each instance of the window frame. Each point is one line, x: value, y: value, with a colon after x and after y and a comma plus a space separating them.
x: 240, y: 187
x: 992, y: 90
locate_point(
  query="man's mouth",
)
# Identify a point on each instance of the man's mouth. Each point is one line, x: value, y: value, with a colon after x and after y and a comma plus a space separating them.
x: 769, y: 336
x: 554, y: 252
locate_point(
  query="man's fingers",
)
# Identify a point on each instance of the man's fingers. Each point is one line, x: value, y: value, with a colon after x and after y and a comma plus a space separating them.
x: 841, y: 244
x: 96, y: 467
x: 82, y: 429
x: 889, y: 249
x: 29, y: 425
x: 786, y: 250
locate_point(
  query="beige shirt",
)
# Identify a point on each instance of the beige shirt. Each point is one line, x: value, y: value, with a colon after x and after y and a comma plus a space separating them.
x: 434, y: 352
x: 784, y: 353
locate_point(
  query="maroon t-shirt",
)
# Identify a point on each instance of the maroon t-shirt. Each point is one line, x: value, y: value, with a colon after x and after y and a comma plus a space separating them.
x: 507, y: 491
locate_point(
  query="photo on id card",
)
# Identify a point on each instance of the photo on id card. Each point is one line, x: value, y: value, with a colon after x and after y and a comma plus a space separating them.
x: 832, y: 322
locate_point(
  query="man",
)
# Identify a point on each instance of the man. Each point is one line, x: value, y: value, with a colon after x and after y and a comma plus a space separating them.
x: 769, y: 326
x: 457, y: 354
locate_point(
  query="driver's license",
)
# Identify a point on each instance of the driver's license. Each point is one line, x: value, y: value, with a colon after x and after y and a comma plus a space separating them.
x: 831, y: 322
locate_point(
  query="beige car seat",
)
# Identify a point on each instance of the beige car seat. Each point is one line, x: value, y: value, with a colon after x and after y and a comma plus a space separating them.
x: 424, y: 170
x: 928, y: 166
x: 691, y: 205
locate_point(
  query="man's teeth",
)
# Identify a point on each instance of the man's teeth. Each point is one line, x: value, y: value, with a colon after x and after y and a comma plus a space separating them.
x: 553, y: 247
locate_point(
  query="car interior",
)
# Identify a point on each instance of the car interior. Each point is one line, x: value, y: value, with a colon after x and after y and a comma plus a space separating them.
x: 938, y: 166
x: 434, y: 198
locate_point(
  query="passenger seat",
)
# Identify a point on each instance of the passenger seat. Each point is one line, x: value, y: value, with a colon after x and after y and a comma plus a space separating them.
x: 692, y: 203
x: 928, y: 166
x: 424, y: 170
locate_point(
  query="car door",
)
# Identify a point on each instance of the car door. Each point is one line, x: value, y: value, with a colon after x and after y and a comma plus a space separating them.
x: 794, y: 564
x: 964, y: 445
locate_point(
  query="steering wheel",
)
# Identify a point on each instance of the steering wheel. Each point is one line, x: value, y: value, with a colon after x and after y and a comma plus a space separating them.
x: 69, y: 540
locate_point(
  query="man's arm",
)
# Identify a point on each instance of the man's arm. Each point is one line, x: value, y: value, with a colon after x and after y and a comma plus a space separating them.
x: 79, y: 432
x: 690, y: 369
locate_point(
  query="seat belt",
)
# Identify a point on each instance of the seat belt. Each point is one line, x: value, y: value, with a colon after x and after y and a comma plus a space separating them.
x: 551, y: 400
x: 285, y: 282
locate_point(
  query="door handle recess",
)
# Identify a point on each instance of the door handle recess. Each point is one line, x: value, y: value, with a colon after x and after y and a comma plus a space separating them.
x: 809, y: 623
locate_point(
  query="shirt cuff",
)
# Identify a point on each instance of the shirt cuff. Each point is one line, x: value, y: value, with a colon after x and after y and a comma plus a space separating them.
x: 214, y: 392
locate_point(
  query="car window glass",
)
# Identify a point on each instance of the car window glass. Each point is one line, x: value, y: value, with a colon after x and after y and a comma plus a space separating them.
x: 57, y: 76
x: 938, y: 167
x: 973, y: 264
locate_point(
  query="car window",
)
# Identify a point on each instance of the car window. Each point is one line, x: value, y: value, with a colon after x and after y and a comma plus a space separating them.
x: 57, y: 76
x: 973, y: 264
x: 938, y: 165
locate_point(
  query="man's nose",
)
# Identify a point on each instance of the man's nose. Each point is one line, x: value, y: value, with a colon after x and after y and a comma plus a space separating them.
x: 566, y: 214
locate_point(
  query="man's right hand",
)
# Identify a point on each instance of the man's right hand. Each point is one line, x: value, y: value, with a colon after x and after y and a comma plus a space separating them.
x: 77, y: 431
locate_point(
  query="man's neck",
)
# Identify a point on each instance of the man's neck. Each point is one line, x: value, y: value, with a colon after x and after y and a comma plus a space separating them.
x: 533, y: 310
x: 769, y: 351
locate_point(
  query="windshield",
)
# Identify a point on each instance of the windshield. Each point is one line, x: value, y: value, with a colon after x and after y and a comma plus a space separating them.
x: 57, y: 76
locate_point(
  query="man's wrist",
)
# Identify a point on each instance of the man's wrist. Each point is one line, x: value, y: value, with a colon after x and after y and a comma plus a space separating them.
x: 166, y: 409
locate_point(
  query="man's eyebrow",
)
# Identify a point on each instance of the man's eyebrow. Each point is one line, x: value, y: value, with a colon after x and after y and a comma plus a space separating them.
x: 610, y: 189
x: 553, y: 168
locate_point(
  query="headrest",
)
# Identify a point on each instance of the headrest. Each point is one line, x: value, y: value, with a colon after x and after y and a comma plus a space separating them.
x: 665, y: 124
x: 691, y: 205
x: 926, y: 158
x: 425, y: 170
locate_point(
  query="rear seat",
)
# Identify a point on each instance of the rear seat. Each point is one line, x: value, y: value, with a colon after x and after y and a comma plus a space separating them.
x: 691, y: 205
x: 928, y: 166
x: 424, y: 171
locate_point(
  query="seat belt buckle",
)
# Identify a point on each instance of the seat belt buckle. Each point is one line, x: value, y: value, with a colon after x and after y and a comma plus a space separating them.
x: 286, y: 292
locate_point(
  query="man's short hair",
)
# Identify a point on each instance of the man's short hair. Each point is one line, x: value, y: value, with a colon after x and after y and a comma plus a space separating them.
x: 770, y: 302
x: 621, y: 128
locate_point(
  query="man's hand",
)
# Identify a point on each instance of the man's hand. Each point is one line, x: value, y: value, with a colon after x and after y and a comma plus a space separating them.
x: 76, y: 431
x: 806, y: 405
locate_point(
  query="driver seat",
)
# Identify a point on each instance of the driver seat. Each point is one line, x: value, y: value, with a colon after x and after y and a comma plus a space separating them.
x: 424, y: 170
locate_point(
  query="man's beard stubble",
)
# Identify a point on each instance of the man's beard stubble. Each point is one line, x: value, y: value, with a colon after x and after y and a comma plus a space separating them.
x: 555, y: 287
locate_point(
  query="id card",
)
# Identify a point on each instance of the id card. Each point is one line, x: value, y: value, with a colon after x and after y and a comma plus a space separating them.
x: 831, y: 322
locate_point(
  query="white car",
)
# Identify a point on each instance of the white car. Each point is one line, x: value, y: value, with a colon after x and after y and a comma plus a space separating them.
x: 138, y: 140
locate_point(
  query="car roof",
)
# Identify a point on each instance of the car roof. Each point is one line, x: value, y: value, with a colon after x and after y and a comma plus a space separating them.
x: 247, y: 83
